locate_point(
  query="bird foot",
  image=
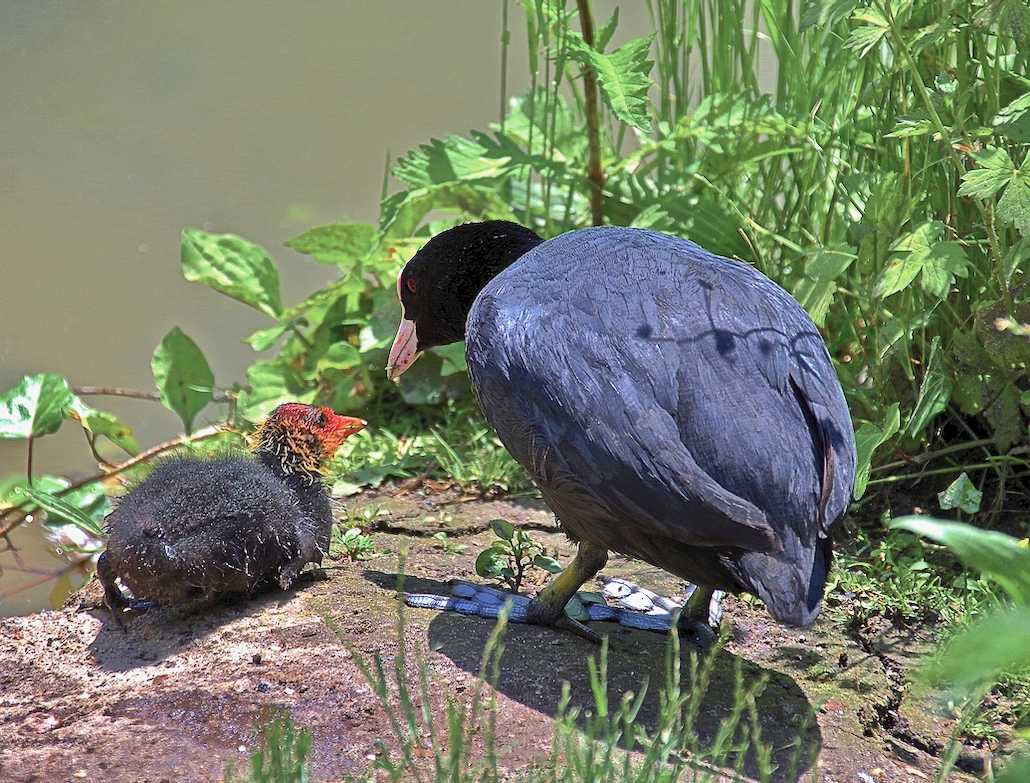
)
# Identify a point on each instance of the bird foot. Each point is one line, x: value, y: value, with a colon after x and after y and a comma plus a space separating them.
x: 634, y: 607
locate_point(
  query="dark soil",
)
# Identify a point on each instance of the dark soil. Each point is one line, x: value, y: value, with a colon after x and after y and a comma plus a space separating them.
x: 184, y: 690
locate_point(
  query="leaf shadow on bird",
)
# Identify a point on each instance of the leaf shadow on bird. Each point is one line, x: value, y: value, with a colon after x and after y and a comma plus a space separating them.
x: 234, y: 524
x: 670, y: 404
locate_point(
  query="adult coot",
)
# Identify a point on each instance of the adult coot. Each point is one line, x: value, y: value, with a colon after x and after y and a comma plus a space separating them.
x: 231, y: 524
x: 670, y: 404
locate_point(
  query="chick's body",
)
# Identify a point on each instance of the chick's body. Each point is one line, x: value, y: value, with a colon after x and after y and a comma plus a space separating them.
x: 231, y: 524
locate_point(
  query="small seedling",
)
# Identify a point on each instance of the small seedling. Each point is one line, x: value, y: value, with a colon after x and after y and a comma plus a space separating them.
x: 508, y: 558
x: 281, y: 757
x: 352, y: 543
x: 444, y: 543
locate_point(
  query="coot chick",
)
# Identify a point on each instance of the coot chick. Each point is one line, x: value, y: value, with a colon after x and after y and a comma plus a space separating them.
x: 231, y: 524
x: 670, y: 404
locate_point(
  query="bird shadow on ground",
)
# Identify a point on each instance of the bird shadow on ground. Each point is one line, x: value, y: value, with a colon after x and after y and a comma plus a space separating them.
x: 157, y: 634
x: 535, y: 663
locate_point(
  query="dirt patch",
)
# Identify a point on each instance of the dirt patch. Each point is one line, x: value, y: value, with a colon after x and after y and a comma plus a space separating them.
x: 184, y: 689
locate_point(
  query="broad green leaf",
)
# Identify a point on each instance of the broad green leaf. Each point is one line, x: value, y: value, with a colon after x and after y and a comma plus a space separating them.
x: 823, y: 268
x: 868, y: 438
x: 342, y: 244
x: 340, y: 356
x: 934, y: 392
x: 36, y: 406
x: 263, y: 339
x: 271, y: 383
x: 994, y: 172
x: 183, y: 376
x: 961, y: 494
x: 233, y: 266
x: 826, y: 13
x: 549, y: 564
x: 453, y: 358
x: 503, y: 529
x: 62, y: 509
x: 1017, y: 769
x: 622, y: 77
x: 995, y: 555
x: 923, y: 250
x: 491, y: 563
x: 103, y: 423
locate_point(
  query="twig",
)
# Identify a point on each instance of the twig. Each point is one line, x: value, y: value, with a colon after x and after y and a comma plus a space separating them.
x: 594, y: 174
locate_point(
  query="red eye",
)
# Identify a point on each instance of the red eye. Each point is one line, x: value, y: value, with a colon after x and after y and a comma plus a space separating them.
x: 412, y: 285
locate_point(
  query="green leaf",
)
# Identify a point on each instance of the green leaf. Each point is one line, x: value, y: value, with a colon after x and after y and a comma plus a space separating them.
x: 934, y: 392
x: 502, y: 529
x: 453, y: 358
x: 622, y: 77
x: 270, y: 383
x: 491, y: 563
x: 961, y: 494
x: 342, y: 244
x: 36, y: 406
x: 454, y: 159
x: 549, y: 564
x: 996, y: 555
x: 870, y: 437
x: 866, y: 36
x: 826, y: 13
x: 994, y: 172
x: 183, y: 376
x: 923, y: 250
x: 1014, y: 205
x: 823, y: 268
x: 233, y: 266
x: 57, y: 507
x: 341, y: 356
x: 263, y: 339
x: 1014, y: 119
x: 105, y: 424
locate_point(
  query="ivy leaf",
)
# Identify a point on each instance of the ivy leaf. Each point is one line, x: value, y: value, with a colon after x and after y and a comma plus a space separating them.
x: 103, y: 423
x: 183, y: 376
x: 233, y: 266
x: 36, y: 406
x: 961, y: 494
x: 622, y: 77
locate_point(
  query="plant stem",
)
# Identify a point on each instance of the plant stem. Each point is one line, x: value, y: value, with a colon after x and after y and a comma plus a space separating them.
x: 595, y: 176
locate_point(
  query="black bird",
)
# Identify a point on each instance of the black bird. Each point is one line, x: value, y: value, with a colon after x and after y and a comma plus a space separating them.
x: 232, y: 524
x: 670, y: 404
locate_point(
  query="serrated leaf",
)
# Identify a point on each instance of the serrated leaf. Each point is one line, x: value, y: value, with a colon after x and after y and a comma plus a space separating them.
x: 36, y: 406
x: 1014, y: 119
x: 454, y: 159
x: 826, y: 13
x: 995, y: 555
x: 923, y: 250
x: 342, y: 244
x: 866, y: 36
x: 994, y: 172
x: 183, y: 376
x: 623, y: 78
x: 1014, y: 205
x: 233, y: 266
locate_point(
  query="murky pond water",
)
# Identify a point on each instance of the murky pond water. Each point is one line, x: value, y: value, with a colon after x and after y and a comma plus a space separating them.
x: 123, y: 123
